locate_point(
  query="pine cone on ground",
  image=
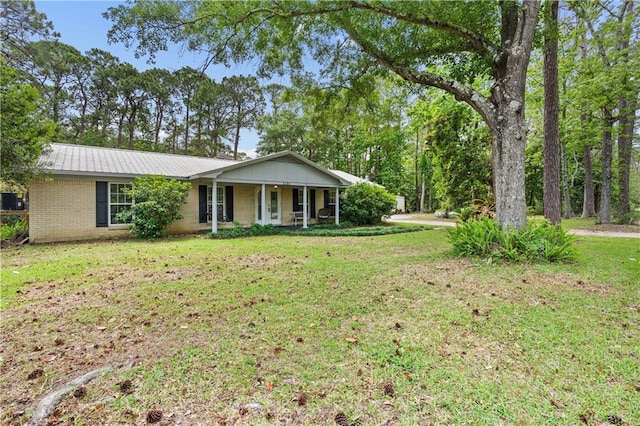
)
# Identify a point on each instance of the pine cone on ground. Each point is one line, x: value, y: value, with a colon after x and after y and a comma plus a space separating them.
x: 35, y: 374
x: 341, y: 419
x: 80, y: 392
x: 302, y: 399
x: 154, y: 416
x: 126, y: 386
x: 389, y: 390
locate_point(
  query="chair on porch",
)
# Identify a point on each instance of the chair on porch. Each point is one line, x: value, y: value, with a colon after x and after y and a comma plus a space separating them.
x: 324, y: 214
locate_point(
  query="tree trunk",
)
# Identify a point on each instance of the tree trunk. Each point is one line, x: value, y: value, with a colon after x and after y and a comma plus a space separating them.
x: 422, y: 193
x: 565, y: 182
x: 551, y: 148
x: 607, y: 157
x: 186, y: 128
x: 589, y: 201
x: 419, y: 199
x: 625, y: 138
x: 236, y: 141
x: 508, y: 156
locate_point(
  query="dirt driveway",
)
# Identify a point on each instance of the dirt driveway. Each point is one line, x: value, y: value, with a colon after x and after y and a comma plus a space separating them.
x: 408, y: 218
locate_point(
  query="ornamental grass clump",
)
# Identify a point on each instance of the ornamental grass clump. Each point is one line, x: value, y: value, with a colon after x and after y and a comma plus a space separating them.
x: 536, y: 243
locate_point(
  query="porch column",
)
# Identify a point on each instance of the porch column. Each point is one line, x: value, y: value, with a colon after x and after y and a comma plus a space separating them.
x: 214, y: 207
x: 263, y: 201
x: 305, y: 221
x: 337, y: 205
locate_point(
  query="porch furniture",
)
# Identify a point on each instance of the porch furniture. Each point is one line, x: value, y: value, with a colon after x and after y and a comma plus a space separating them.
x: 297, y: 217
x: 324, y: 214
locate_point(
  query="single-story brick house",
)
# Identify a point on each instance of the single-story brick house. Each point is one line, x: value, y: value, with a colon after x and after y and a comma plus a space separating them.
x: 82, y: 191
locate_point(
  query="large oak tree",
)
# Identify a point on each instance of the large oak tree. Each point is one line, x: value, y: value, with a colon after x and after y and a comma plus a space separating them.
x: 430, y: 43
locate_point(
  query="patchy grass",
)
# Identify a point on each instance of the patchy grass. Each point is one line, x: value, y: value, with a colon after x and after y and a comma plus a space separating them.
x: 591, y: 224
x: 281, y: 329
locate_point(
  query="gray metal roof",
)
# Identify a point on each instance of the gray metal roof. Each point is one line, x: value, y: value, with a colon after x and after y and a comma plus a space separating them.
x: 348, y: 177
x: 85, y: 160
x: 89, y: 160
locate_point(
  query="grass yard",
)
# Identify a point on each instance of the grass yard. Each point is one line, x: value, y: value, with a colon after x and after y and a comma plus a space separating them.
x: 294, y: 330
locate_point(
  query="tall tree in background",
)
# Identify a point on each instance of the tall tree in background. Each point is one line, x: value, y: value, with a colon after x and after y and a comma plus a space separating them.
x: 20, y: 24
x: 627, y: 103
x: 187, y: 85
x: 551, y: 151
x: 608, y: 79
x: 25, y: 131
x: 248, y: 104
x: 351, y: 39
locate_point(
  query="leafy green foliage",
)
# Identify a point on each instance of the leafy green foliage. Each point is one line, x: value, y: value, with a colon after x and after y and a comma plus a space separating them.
x: 485, y: 238
x: 461, y: 148
x: 367, y: 231
x: 238, y: 231
x: 343, y: 230
x: 366, y: 204
x: 157, y: 202
x: 10, y: 230
x: 25, y: 131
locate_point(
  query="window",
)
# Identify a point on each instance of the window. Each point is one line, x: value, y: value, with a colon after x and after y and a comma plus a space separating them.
x: 119, y: 201
x: 301, y: 197
x: 219, y: 202
x: 332, y: 201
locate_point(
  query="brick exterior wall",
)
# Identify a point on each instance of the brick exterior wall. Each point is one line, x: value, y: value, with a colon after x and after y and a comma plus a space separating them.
x: 64, y: 209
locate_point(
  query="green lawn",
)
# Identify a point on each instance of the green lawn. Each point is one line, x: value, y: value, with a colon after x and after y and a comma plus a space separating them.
x: 235, y: 331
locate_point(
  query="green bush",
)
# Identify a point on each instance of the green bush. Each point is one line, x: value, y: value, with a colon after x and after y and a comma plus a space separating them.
x: 485, y: 238
x: 156, y: 204
x: 238, y: 231
x: 366, y: 204
x: 13, y: 229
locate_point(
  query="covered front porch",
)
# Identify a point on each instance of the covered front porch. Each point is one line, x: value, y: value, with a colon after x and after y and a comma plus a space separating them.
x: 282, y: 189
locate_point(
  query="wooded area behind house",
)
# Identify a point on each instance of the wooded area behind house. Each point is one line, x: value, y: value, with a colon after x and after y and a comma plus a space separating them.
x: 371, y: 120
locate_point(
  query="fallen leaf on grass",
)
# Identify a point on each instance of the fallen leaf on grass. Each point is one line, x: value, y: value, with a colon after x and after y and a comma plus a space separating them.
x: 50, y: 358
x: 351, y: 339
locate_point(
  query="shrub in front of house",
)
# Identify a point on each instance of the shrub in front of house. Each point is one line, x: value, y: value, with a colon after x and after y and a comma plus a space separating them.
x: 366, y: 204
x: 537, y: 242
x: 156, y: 204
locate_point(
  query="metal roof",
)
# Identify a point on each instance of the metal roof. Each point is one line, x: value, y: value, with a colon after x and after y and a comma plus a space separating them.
x: 90, y: 160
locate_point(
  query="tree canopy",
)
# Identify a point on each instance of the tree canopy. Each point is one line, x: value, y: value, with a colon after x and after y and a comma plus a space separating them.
x: 25, y: 130
x: 439, y: 44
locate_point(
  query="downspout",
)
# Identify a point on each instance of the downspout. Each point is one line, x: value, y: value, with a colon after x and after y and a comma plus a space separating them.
x: 305, y: 221
x: 263, y: 212
x: 337, y: 205
x: 214, y: 207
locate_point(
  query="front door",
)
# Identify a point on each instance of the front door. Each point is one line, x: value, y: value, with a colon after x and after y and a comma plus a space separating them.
x: 274, y: 207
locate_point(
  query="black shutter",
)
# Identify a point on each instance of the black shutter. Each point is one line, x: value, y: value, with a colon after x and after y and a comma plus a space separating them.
x: 202, y: 208
x: 296, y: 206
x: 326, y: 198
x: 229, y: 200
x: 102, y: 204
x: 312, y: 206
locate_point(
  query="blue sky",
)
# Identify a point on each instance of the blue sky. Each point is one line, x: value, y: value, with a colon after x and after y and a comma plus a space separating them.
x: 81, y: 25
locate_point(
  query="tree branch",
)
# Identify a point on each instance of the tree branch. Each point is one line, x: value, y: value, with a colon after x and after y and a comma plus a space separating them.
x: 462, y: 92
x: 480, y: 44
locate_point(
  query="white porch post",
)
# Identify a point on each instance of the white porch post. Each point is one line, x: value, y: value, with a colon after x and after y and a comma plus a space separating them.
x: 305, y: 221
x: 214, y: 207
x: 263, y: 213
x: 337, y: 205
